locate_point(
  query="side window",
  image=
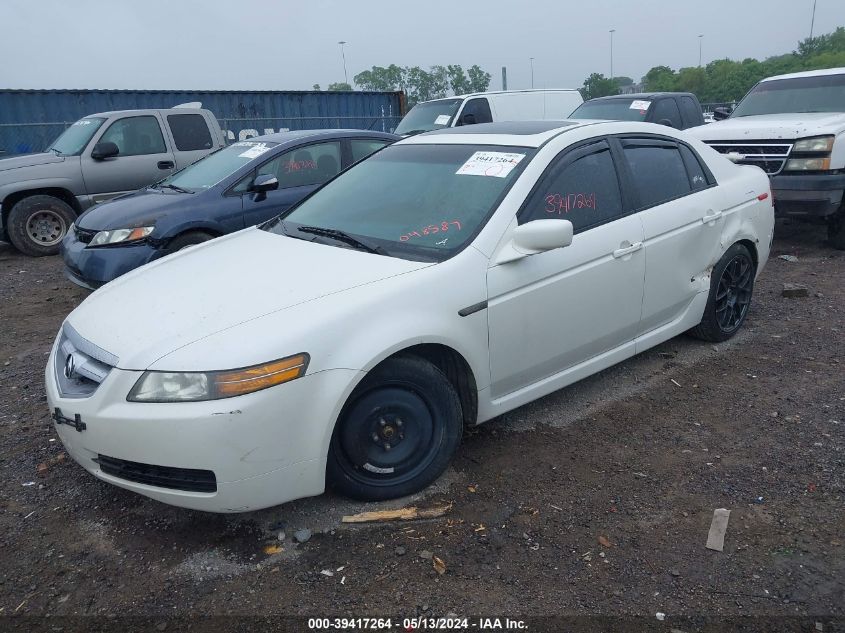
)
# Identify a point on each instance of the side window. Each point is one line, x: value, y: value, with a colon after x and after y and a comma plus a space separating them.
x: 583, y: 190
x: 190, y: 132
x: 361, y: 148
x: 665, y: 109
x: 309, y: 165
x: 135, y: 136
x: 698, y: 179
x: 479, y: 108
x: 691, y: 112
x: 658, y: 171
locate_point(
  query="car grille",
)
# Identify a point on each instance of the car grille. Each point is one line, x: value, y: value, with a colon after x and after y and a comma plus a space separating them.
x: 770, y: 156
x: 83, y: 235
x: 187, y: 479
x: 81, y: 376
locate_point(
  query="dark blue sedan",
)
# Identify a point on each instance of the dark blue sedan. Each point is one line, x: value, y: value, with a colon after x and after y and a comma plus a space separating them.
x: 236, y: 187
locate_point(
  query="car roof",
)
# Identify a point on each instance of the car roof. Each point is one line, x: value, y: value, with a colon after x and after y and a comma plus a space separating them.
x: 516, y: 133
x: 641, y: 95
x: 808, y: 73
x: 501, y: 92
x: 297, y: 135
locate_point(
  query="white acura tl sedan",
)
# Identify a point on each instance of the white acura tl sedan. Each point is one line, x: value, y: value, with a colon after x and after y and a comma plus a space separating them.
x: 441, y: 282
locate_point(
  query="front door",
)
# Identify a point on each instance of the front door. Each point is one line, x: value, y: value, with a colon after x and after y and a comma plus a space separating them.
x: 143, y: 159
x: 552, y: 311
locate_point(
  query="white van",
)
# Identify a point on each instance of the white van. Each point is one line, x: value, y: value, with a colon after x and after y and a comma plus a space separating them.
x: 486, y: 107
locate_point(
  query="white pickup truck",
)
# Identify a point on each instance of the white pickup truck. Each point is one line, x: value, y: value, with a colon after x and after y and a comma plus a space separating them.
x: 793, y: 127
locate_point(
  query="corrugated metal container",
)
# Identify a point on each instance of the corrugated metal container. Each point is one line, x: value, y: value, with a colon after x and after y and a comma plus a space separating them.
x: 31, y: 119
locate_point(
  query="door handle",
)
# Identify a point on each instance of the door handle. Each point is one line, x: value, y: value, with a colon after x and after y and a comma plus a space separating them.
x: 627, y: 250
x: 166, y: 164
x: 710, y: 218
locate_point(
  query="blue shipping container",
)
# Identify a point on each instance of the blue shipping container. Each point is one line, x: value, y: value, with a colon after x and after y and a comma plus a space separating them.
x: 32, y: 119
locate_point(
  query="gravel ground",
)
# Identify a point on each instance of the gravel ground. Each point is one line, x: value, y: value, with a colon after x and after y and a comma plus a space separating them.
x: 594, y: 500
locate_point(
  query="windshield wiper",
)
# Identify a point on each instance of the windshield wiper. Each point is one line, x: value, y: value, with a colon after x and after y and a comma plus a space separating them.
x: 341, y: 236
x: 160, y: 185
x: 413, y: 132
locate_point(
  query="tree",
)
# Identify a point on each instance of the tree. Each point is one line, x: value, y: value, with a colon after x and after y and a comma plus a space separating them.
x: 423, y: 85
x: 597, y: 85
x: 458, y: 80
x: 479, y: 80
x: 315, y: 87
x: 659, y: 79
x: 623, y: 81
x: 339, y: 87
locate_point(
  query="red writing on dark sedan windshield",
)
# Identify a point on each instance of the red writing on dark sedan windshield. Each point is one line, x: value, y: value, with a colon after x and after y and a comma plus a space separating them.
x: 299, y: 165
x: 560, y: 204
x: 431, y: 229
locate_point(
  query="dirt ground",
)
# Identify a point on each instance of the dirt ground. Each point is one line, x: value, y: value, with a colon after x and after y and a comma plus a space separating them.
x: 594, y: 500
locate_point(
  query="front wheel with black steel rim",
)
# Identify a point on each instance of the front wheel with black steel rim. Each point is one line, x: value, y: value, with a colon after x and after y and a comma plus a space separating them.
x: 37, y: 224
x: 731, y: 286
x: 397, y: 432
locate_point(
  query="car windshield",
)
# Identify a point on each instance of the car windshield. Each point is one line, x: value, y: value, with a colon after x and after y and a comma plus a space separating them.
x: 74, y: 139
x: 801, y: 94
x: 428, y: 116
x: 613, y: 110
x: 422, y: 202
x: 210, y: 170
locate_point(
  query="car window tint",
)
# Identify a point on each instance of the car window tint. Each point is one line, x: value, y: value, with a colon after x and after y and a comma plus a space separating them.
x: 698, y: 179
x: 658, y: 172
x: 135, y: 136
x: 309, y: 165
x: 584, y: 191
x: 480, y: 109
x: 691, y: 112
x: 361, y: 148
x: 190, y: 132
x: 666, y: 110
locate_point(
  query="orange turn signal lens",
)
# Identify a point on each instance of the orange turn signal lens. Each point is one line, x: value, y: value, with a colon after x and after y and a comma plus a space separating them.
x: 240, y: 381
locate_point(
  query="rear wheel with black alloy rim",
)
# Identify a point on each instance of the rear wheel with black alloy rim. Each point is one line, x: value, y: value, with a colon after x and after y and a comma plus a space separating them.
x: 37, y: 224
x: 397, y: 433
x: 731, y: 287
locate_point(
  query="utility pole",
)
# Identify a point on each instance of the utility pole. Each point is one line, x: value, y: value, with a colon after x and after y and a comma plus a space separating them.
x: 612, y: 31
x: 532, y: 72
x: 343, y: 55
x: 504, y: 77
x: 700, y: 37
x: 813, y: 21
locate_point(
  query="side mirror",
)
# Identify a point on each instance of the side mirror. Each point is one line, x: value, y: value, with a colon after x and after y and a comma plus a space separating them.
x: 468, y: 119
x: 537, y: 237
x: 104, y: 150
x: 262, y: 184
x: 665, y: 122
x: 720, y: 114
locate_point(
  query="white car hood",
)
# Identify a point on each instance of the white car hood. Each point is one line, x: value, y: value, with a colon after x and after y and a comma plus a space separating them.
x: 771, y: 126
x: 173, y: 302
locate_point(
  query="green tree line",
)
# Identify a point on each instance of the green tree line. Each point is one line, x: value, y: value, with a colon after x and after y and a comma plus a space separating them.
x: 725, y: 80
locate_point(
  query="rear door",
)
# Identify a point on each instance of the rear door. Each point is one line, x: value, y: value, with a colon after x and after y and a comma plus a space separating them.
x: 143, y: 158
x: 680, y: 208
x: 299, y: 171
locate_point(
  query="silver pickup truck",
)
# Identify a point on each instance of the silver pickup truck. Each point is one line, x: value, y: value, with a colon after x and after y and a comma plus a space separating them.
x: 95, y: 159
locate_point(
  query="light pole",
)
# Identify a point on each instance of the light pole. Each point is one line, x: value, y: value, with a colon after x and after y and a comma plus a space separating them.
x: 532, y: 71
x: 813, y: 21
x: 612, y: 31
x: 700, y: 38
x: 343, y: 55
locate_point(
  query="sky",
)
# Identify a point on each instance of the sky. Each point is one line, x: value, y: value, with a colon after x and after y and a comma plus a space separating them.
x: 291, y: 45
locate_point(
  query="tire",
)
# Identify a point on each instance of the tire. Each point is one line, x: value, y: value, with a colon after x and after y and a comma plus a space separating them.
x: 836, y: 230
x: 38, y: 224
x: 731, y: 287
x: 397, y: 432
x: 188, y: 239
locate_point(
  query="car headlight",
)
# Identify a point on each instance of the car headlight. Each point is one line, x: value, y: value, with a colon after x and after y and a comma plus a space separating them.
x: 817, y: 144
x: 807, y: 164
x: 118, y: 236
x: 166, y: 386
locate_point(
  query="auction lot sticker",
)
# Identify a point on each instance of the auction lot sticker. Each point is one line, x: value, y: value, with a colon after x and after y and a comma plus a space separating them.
x: 255, y: 149
x: 496, y: 164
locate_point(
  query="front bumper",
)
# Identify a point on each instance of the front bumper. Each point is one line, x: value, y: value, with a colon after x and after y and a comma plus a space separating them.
x: 264, y: 448
x: 808, y: 196
x: 93, y: 267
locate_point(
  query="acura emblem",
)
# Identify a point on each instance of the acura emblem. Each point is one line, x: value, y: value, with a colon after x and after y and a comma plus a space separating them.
x: 69, y: 366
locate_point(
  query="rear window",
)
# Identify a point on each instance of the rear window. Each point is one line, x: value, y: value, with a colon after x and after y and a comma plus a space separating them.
x: 190, y: 132
x: 613, y: 110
